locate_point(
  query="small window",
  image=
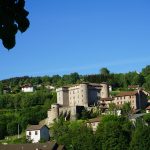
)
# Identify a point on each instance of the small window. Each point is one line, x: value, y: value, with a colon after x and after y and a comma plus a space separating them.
x: 29, y: 133
x: 36, y: 132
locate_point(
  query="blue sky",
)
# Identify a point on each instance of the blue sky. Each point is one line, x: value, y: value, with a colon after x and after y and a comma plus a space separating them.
x: 81, y: 36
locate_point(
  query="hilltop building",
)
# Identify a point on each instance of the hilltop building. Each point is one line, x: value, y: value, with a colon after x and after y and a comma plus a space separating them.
x: 27, y: 88
x: 71, y: 100
x: 137, y: 99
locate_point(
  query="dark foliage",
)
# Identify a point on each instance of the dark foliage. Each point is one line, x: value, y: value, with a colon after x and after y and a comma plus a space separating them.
x: 13, y: 17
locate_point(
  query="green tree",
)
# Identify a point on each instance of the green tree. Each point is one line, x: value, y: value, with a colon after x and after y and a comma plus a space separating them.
x: 146, y: 71
x: 146, y: 117
x: 126, y: 109
x: 2, y: 130
x: 104, y: 71
x: 12, y: 128
x: 147, y: 83
x: 13, y: 18
x: 140, y: 138
x: 113, y: 133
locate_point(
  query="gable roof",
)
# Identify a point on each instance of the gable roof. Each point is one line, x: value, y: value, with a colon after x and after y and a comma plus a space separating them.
x: 133, y: 86
x: 107, y: 99
x: 35, y: 127
x: 128, y: 93
x: 93, y: 120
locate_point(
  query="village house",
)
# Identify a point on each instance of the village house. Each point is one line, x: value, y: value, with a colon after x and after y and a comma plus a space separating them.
x: 133, y: 87
x: 27, y: 88
x: 148, y: 109
x: 35, y: 133
x: 93, y: 123
x: 137, y: 99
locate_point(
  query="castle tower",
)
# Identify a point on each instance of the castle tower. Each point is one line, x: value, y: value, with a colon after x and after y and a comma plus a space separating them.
x: 63, y: 96
x: 53, y: 113
x: 84, y: 95
x: 105, y: 90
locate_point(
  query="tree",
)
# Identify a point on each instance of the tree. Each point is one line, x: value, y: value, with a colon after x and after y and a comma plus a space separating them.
x: 146, y: 71
x: 13, y: 18
x: 104, y: 71
x: 146, y: 117
x: 126, y: 109
x: 12, y: 128
x: 2, y: 130
x: 147, y: 83
x: 140, y: 138
x: 113, y: 133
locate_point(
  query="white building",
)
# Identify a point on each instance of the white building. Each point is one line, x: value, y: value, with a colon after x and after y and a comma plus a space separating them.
x: 35, y: 133
x: 93, y: 123
x: 27, y: 88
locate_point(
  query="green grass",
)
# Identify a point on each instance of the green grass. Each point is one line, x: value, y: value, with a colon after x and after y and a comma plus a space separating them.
x: 14, y: 139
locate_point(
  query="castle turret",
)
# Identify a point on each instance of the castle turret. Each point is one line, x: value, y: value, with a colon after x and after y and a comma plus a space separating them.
x: 53, y: 113
x: 104, y: 90
x: 63, y: 96
x: 84, y: 95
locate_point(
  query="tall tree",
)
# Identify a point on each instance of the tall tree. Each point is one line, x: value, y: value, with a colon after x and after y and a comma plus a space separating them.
x: 104, y: 71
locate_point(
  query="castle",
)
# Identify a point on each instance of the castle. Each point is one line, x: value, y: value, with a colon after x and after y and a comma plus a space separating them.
x: 71, y: 100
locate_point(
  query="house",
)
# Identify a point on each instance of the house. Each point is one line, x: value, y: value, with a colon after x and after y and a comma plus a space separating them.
x: 137, y: 99
x: 50, y: 87
x: 52, y: 145
x: 27, y: 88
x: 133, y: 87
x: 35, y: 133
x: 6, y: 90
x: 93, y: 123
x: 148, y: 109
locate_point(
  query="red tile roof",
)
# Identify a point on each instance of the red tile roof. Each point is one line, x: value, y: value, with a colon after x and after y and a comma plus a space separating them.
x: 107, y: 99
x: 128, y: 93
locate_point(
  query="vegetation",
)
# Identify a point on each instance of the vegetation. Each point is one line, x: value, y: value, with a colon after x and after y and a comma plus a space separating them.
x: 113, y: 133
x: 119, y: 81
x: 13, y: 18
x: 22, y: 109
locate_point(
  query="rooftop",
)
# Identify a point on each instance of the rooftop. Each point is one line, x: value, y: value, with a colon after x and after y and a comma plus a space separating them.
x: 93, y: 120
x: 35, y: 127
x: 128, y: 93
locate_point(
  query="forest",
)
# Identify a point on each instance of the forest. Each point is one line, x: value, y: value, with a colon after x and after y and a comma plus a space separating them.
x: 117, y: 80
x: 113, y: 133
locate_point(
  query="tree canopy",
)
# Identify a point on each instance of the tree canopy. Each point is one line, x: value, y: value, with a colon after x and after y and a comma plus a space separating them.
x: 13, y: 19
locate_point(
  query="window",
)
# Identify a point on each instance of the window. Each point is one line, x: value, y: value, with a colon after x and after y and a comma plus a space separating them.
x: 29, y: 133
x: 36, y: 132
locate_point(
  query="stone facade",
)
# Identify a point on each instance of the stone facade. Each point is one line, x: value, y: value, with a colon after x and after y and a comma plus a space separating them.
x: 71, y: 100
x: 137, y: 99
x: 85, y: 94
